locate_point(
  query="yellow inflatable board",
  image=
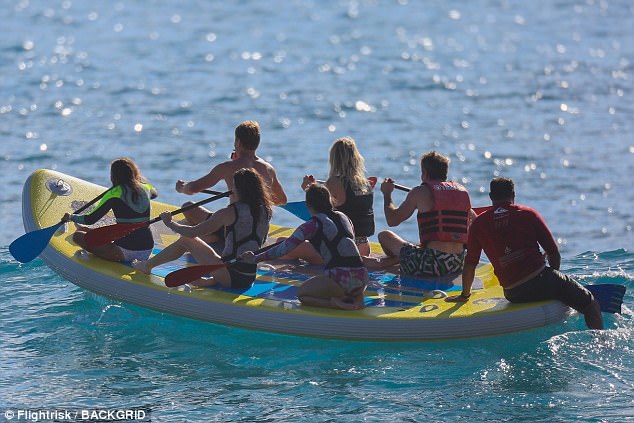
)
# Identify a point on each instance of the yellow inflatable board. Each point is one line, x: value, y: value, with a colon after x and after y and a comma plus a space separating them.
x: 397, y: 309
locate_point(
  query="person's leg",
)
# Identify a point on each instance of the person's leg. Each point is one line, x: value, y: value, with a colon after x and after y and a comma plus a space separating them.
x: 364, y: 249
x: 197, y: 215
x: 167, y: 254
x: 592, y: 315
x: 304, y: 251
x: 554, y: 285
x: 218, y: 277
x: 349, y: 303
x: 110, y: 251
x: 391, y: 243
x: 318, y: 291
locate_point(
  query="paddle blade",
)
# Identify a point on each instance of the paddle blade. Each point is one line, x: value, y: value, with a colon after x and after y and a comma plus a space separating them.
x: 609, y: 296
x: 107, y: 234
x: 30, y: 245
x: 298, y: 208
x: 190, y: 274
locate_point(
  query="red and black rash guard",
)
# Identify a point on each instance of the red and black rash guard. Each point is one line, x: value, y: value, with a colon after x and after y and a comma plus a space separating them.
x: 448, y: 220
x: 510, y: 235
x: 120, y: 200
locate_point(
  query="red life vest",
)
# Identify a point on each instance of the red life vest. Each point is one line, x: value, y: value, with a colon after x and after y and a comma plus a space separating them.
x: 448, y: 220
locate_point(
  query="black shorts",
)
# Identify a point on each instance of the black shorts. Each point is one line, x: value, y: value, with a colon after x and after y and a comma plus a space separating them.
x: 242, y: 274
x: 551, y: 284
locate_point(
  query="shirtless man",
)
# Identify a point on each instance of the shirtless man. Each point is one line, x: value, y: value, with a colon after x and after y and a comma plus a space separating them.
x: 247, y: 140
x: 444, y: 214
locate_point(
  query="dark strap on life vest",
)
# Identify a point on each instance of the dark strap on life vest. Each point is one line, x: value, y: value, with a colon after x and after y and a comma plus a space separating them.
x: 337, y: 259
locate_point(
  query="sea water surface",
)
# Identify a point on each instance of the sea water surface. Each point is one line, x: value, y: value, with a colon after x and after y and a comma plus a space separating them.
x: 539, y: 91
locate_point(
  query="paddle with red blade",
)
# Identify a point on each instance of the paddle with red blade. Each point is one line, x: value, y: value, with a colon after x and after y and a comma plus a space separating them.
x: 106, y: 234
x: 30, y: 245
x: 191, y: 273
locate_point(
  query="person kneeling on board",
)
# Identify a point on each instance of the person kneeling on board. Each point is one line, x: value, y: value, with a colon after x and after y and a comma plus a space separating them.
x: 331, y: 233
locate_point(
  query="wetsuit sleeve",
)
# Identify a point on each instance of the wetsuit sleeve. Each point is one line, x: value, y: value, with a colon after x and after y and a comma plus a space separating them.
x: 544, y: 237
x: 95, y: 215
x: 474, y: 248
x: 304, y: 232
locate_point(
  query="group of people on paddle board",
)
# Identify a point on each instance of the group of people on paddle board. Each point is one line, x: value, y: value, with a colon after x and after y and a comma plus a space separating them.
x: 451, y: 235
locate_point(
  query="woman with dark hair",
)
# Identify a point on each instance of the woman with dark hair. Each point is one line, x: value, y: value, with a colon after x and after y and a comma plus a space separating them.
x: 129, y: 200
x: 331, y: 234
x: 246, y: 224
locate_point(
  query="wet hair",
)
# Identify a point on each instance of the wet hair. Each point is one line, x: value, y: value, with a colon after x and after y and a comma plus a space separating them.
x: 249, y: 186
x: 502, y: 189
x: 124, y: 172
x: 347, y: 163
x: 318, y: 197
x: 436, y: 165
x: 248, y: 132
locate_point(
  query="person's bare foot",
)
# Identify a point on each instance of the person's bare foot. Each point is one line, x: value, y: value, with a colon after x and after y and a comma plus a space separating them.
x: 141, y: 266
x: 345, y: 303
x: 202, y: 282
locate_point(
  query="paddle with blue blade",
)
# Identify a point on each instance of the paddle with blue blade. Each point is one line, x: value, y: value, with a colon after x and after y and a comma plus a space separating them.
x: 192, y: 273
x: 106, y: 234
x: 298, y: 208
x: 30, y: 245
x: 609, y: 296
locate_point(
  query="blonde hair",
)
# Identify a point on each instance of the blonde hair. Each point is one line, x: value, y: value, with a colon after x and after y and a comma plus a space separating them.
x: 348, y: 164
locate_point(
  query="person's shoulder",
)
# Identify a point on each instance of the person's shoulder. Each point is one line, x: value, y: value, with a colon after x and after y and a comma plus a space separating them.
x: 525, y: 209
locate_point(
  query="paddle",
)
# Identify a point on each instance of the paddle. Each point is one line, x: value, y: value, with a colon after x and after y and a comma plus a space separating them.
x: 477, y: 210
x: 609, y: 296
x: 105, y: 234
x: 191, y: 273
x: 30, y: 245
x: 299, y: 209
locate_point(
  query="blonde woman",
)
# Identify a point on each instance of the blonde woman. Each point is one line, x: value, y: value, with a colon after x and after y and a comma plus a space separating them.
x: 350, y: 190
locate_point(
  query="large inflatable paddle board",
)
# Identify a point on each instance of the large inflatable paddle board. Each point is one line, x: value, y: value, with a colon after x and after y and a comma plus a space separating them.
x: 396, y: 309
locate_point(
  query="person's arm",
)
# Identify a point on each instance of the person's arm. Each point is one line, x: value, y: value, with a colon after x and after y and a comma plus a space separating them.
x: 337, y: 191
x: 92, y: 217
x: 277, y: 192
x: 547, y: 241
x: 474, y: 250
x: 219, y: 219
x: 304, y: 232
x: 396, y: 215
x: 214, y: 176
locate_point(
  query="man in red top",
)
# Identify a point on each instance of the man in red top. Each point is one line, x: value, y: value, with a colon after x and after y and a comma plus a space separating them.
x: 511, y: 235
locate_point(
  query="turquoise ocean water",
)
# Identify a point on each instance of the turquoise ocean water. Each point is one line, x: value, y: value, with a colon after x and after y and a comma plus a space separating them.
x: 538, y: 91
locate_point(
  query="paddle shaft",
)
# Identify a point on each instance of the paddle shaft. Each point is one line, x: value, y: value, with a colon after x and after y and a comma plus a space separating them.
x: 193, y: 206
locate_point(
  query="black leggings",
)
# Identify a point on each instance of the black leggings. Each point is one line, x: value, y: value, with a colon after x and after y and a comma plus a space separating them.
x: 551, y: 284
